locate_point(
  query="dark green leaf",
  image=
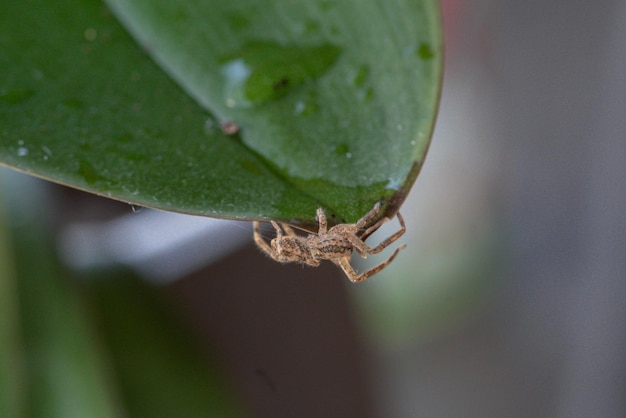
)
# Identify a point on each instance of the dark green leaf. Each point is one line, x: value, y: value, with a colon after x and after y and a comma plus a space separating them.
x: 335, y: 101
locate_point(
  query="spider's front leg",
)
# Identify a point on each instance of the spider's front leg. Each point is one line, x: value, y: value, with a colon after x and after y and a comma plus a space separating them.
x: 368, y: 217
x: 392, y: 238
x: 279, y: 231
x: 260, y: 242
x: 288, y: 230
x: 354, y: 277
x: 363, y: 249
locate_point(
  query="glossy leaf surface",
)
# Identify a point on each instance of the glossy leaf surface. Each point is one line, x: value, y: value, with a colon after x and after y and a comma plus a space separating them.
x: 335, y: 101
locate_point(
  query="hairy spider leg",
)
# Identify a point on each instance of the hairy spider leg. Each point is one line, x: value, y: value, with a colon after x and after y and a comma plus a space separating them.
x: 388, y: 241
x: 289, y: 230
x: 263, y: 245
x: 369, y: 231
x: 279, y: 231
x: 354, y: 277
x: 323, y: 222
x: 363, y: 249
x: 258, y: 238
x: 368, y: 217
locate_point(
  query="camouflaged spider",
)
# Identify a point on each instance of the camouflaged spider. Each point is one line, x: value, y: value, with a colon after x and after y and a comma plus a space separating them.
x: 335, y: 244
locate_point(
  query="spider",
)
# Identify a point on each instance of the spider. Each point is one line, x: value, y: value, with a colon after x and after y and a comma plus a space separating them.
x: 335, y: 244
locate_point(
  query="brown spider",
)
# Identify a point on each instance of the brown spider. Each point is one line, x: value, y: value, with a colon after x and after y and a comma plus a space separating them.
x: 335, y: 244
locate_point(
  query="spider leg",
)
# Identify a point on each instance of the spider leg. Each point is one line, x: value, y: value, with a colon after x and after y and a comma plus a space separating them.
x: 344, y: 263
x: 363, y: 249
x: 384, y: 244
x: 369, y: 231
x: 379, y: 267
x: 322, y: 222
x: 354, y: 277
x: 368, y: 216
x: 289, y: 230
x: 260, y: 242
x: 345, y: 229
x: 279, y: 231
x: 357, y: 246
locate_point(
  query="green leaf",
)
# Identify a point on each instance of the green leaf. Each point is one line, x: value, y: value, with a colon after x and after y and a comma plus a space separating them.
x: 335, y: 101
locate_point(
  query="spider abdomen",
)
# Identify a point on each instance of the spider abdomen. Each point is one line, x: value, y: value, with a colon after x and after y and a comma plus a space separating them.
x: 332, y: 248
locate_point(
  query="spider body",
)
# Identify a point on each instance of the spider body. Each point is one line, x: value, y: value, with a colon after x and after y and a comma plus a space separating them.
x: 335, y: 244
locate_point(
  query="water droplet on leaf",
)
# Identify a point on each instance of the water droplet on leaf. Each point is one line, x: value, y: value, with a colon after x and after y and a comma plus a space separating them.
x: 307, y: 106
x: 264, y: 70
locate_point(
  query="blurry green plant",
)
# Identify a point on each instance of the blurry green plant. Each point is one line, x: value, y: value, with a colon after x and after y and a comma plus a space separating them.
x: 334, y: 102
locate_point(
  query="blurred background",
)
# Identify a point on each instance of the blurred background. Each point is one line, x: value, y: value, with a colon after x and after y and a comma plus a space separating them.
x: 510, y: 300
